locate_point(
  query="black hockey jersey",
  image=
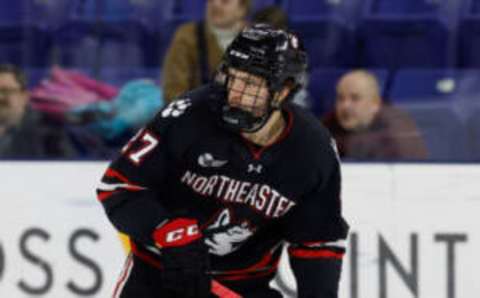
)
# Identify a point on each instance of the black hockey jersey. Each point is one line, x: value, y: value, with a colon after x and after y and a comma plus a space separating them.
x: 249, y: 200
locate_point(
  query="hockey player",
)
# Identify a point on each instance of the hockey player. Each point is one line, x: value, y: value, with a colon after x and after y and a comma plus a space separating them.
x: 225, y: 176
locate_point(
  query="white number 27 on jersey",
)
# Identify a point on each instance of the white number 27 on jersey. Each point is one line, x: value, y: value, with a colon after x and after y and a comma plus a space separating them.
x: 149, y: 142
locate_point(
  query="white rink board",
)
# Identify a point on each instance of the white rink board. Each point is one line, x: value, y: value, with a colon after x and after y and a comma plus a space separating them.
x: 49, y: 204
x: 430, y: 204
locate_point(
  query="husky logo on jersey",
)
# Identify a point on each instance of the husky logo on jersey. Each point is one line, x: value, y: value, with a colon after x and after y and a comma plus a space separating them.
x: 225, y: 237
x: 176, y: 108
x: 207, y: 161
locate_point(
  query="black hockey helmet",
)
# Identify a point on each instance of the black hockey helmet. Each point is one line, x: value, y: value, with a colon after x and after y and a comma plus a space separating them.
x: 275, y: 55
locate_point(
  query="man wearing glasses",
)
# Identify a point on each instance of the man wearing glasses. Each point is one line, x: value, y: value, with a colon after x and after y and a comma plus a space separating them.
x: 24, y: 133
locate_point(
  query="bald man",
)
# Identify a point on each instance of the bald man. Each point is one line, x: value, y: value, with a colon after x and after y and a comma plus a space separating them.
x: 366, y: 128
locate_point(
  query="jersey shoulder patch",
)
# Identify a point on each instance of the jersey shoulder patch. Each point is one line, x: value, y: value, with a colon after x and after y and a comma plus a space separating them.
x: 176, y: 108
x: 183, y: 115
x: 171, y: 115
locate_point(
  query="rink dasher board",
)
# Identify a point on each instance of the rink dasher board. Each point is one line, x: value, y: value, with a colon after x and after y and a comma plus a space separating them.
x: 407, y: 221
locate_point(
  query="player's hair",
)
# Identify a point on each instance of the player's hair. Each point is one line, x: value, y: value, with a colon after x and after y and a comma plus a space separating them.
x: 19, y: 75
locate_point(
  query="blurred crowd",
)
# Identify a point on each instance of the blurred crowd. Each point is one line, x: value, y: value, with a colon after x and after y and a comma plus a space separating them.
x: 70, y: 115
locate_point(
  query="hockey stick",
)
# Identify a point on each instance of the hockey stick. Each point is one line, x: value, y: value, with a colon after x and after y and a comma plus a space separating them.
x: 222, y: 291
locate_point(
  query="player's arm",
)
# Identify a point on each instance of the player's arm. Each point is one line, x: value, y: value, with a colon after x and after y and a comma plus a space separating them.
x: 132, y: 186
x: 317, y: 231
x: 132, y: 191
x: 127, y: 191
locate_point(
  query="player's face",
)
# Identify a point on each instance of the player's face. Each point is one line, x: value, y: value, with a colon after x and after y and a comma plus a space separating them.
x: 225, y: 13
x: 356, y: 105
x: 13, y: 100
x: 248, y: 92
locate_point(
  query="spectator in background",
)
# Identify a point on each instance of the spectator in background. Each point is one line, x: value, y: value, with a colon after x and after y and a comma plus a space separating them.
x: 197, y: 47
x: 100, y: 129
x: 367, y: 128
x: 25, y: 133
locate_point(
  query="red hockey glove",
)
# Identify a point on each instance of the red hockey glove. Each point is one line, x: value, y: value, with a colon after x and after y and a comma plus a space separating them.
x: 184, y: 258
x: 177, y: 232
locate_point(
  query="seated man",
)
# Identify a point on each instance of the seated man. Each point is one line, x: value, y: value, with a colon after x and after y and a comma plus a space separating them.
x: 24, y: 133
x: 367, y: 128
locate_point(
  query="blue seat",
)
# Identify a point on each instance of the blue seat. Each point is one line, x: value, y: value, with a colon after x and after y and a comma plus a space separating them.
x: 22, y: 12
x: 473, y: 130
x: 51, y: 14
x: 120, y: 9
x: 35, y: 76
x: 259, y: 4
x: 322, y: 87
x: 24, y: 46
x: 148, y: 12
x: 92, y: 45
x: 440, y: 101
x: 451, y: 86
x: 425, y: 85
x: 404, y: 38
x: 312, y: 9
x: 442, y: 130
x: 12, y: 13
x: 327, y: 30
x: 328, y: 34
x: 180, y: 11
x: 119, y: 76
x: 22, y: 42
x: 143, y: 11
x: 404, y: 6
x: 328, y: 43
x: 75, y: 46
x: 469, y: 35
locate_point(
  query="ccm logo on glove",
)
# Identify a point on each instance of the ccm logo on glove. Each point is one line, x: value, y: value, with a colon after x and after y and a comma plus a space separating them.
x: 177, y: 232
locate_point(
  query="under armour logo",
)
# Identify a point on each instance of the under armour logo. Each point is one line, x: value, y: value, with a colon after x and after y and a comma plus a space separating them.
x: 253, y: 168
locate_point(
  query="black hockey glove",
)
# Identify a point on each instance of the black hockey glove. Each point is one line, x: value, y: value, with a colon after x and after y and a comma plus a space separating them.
x: 184, y: 259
